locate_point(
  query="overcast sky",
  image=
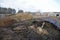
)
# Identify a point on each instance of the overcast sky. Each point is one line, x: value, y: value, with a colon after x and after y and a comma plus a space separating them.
x: 32, y: 5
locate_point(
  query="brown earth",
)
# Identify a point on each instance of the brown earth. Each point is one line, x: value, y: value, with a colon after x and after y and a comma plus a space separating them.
x: 27, y: 30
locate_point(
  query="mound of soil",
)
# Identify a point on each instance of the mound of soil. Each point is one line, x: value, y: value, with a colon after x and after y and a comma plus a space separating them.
x: 28, y: 30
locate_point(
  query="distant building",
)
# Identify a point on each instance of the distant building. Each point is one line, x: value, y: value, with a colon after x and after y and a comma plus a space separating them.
x: 38, y: 14
x: 51, y: 13
x: 54, y: 14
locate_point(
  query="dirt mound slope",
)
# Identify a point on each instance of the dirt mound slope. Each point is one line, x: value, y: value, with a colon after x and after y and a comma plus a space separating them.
x: 28, y: 30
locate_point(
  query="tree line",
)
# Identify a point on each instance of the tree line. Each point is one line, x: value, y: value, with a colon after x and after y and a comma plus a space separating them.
x: 7, y: 11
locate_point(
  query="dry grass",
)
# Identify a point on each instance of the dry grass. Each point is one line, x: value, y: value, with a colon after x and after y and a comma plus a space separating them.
x: 22, y: 16
x: 6, y: 22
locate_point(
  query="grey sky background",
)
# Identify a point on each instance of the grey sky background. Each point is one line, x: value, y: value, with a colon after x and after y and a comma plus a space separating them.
x: 32, y: 5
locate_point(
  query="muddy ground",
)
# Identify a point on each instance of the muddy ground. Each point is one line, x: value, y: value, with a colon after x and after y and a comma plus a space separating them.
x: 30, y: 30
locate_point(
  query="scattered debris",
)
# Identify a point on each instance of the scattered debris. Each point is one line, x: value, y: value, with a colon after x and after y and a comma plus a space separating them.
x: 42, y: 31
x: 29, y: 30
x: 43, y: 24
